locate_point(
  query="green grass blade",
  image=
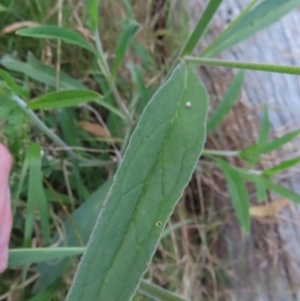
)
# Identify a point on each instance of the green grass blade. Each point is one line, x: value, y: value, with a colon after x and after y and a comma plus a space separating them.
x: 216, y: 41
x: 238, y: 192
x: 93, y: 7
x: 263, y: 15
x: 260, y: 190
x: 277, y: 143
x: 201, y: 27
x: 265, y: 129
x: 55, y: 32
x: 229, y: 99
x: 130, y: 28
x: 295, y: 70
x: 157, y: 165
x: 66, y: 82
x: 20, y: 257
x: 63, y: 99
x: 157, y: 293
x: 40, y: 72
x: 138, y: 78
x: 33, y: 154
x: 280, y: 190
x: 47, y: 294
x: 282, y: 166
x: 285, y: 192
x: 77, y: 229
x: 11, y: 83
x: 36, y: 194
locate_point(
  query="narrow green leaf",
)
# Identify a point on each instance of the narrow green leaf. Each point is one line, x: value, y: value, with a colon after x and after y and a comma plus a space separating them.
x: 36, y: 195
x: 260, y: 190
x: 77, y: 231
x: 66, y: 82
x: 93, y: 7
x: 130, y: 27
x: 295, y: 70
x: 63, y: 99
x: 238, y: 192
x: 285, y: 192
x: 20, y: 257
x: 3, y: 8
x: 282, y: 166
x: 47, y: 294
x: 157, y: 293
x: 253, y: 152
x: 11, y: 83
x: 265, y: 129
x: 201, y: 27
x: 149, y: 182
x: 138, y: 79
x: 280, y: 190
x: 277, y: 143
x: 40, y: 72
x: 229, y: 99
x: 250, y: 5
x: 55, y: 32
x: 263, y: 15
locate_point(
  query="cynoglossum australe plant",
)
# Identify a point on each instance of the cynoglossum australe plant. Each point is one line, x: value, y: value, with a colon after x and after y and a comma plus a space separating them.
x: 160, y: 157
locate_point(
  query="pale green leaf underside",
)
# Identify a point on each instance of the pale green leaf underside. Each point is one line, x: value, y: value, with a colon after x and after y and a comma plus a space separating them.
x: 157, y: 166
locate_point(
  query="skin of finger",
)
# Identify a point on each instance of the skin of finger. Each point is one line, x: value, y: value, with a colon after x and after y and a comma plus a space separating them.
x: 5, y: 206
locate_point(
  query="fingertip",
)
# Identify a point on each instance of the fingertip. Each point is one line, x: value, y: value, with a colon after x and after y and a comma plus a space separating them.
x: 5, y: 159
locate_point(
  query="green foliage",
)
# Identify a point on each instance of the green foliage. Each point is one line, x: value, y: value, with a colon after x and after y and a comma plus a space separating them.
x: 36, y: 195
x: 238, y: 193
x: 63, y: 99
x: 262, y: 15
x: 229, y: 99
x: 20, y: 257
x: 129, y: 212
x: 141, y: 202
x: 55, y: 32
x: 130, y: 27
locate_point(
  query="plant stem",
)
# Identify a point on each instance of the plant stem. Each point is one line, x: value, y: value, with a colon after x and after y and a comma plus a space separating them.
x: 41, y: 125
x: 225, y: 153
x: 249, y: 172
x: 48, y: 132
x: 295, y: 70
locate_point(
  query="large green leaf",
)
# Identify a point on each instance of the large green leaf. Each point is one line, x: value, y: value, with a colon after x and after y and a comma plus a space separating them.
x: 261, y: 16
x: 55, y: 32
x: 77, y: 231
x: 157, y: 165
